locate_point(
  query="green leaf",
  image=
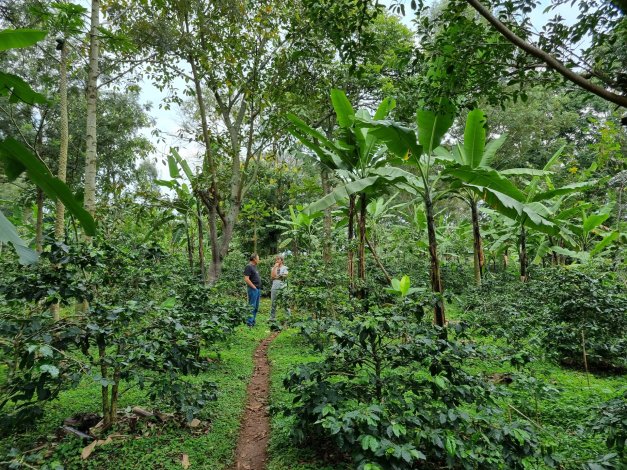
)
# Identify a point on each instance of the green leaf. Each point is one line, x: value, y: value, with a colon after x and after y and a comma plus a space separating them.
x: 8, y: 234
x: 599, y: 247
x: 404, y: 285
x: 18, y: 90
x: 18, y: 159
x: 396, y: 284
x: 432, y: 127
x: 343, y: 109
x: 593, y: 221
x: 181, y: 161
x: 486, y: 178
x: 491, y: 148
x: 568, y: 189
x: 173, y: 167
x: 52, y: 370
x: 580, y: 255
x: 398, y: 139
x: 525, y: 171
x: 474, y: 138
x: 341, y: 193
x: 16, y: 38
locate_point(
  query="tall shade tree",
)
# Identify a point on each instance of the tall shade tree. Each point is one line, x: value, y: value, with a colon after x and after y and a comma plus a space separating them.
x: 225, y: 52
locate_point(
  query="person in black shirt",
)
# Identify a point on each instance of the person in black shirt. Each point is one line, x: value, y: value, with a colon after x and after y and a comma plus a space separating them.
x: 253, y: 286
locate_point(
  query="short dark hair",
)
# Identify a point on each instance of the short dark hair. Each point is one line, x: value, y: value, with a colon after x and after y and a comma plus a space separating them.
x: 253, y: 256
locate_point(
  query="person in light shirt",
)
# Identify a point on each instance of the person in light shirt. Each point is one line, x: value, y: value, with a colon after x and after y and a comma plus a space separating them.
x: 279, y: 275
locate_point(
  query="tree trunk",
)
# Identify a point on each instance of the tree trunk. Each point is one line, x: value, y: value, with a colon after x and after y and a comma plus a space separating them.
x: 363, y: 200
x: 505, y: 260
x: 523, y: 254
x: 39, y: 227
x: 92, y: 100
x: 59, y: 223
x: 327, y: 243
x: 351, y: 236
x: 201, y: 244
x: 439, y: 317
x: 478, y: 255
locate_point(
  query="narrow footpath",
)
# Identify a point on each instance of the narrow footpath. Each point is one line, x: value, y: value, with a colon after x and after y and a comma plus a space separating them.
x: 252, y: 444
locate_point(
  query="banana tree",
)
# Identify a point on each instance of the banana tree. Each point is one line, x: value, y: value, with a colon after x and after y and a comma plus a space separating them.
x: 418, y: 151
x: 358, y: 161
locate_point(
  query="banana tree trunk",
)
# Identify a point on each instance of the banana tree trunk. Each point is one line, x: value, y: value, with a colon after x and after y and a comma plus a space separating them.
x: 327, y: 244
x: 439, y: 317
x: 351, y: 236
x: 201, y: 244
x: 478, y: 256
x: 523, y: 254
x: 363, y: 200
x: 39, y: 227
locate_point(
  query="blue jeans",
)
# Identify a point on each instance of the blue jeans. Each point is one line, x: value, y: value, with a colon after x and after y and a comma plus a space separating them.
x: 253, y: 301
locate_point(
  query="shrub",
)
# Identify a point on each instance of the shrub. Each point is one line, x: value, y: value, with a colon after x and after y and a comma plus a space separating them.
x: 391, y: 393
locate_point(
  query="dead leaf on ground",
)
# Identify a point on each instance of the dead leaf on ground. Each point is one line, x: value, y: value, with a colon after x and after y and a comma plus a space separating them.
x: 185, y: 461
x: 194, y: 423
x: 88, y: 450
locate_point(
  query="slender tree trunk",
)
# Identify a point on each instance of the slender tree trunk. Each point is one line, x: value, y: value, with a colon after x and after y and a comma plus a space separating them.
x: 523, y: 254
x: 363, y: 201
x: 505, y: 260
x: 92, y: 100
x: 201, y: 244
x: 554, y: 259
x: 478, y: 255
x: 351, y: 236
x: 327, y: 244
x: 439, y: 317
x: 59, y: 222
x: 373, y: 250
x: 39, y: 227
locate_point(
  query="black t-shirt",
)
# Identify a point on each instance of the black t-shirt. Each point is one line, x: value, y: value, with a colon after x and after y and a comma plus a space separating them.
x: 252, y: 273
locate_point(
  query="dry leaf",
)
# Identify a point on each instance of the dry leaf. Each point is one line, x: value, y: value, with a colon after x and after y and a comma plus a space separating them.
x: 88, y: 450
x: 185, y: 461
x: 194, y: 423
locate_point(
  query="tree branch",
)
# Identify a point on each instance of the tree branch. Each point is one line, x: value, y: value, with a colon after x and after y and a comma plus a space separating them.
x: 547, y: 58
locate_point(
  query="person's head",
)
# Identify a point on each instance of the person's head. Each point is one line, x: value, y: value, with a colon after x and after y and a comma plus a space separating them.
x: 254, y: 258
x: 278, y: 259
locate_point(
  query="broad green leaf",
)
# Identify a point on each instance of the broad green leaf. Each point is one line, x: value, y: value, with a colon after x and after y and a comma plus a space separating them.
x: 19, y: 91
x: 607, y: 240
x: 487, y: 178
x: 580, y: 255
x: 399, y: 140
x: 491, y: 148
x: 444, y: 155
x: 405, y: 285
x: 568, y: 189
x: 341, y: 193
x: 181, y: 161
x: 173, y: 167
x: 474, y: 138
x: 593, y: 221
x: 396, y: 285
x: 432, y: 127
x: 8, y: 234
x: 18, y: 159
x: 525, y: 172
x: 343, y: 109
x: 387, y: 105
x: 16, y: 38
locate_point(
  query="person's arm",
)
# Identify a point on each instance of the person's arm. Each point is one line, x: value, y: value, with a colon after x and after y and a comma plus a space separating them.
x: 249, y: 282
x: 274, y: 273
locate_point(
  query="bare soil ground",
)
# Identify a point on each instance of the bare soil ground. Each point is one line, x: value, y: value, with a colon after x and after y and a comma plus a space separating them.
x: 252, y: 445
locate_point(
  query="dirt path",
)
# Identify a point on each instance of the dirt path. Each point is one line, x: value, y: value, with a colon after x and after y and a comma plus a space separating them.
x: 252, y: 444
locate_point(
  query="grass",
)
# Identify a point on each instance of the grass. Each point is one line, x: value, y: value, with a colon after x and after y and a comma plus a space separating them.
x: 160, y: 449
